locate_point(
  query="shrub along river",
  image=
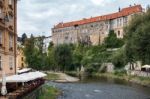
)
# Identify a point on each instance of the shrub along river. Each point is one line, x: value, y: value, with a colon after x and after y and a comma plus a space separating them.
x: 101, y: 88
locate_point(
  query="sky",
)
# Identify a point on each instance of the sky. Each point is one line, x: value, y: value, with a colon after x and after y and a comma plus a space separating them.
x: 37, y: 17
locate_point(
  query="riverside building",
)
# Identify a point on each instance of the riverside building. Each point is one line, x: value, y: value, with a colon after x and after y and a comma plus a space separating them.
x: 94, y: 30
x: 8, y: 35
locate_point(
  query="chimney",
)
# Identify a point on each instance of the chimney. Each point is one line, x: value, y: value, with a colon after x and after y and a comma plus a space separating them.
x: 119, y: 9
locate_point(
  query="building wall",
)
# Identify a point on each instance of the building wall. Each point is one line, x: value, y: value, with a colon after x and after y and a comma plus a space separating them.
x: 95, y: 31
x: 8, y: 36
x: 20, y: 59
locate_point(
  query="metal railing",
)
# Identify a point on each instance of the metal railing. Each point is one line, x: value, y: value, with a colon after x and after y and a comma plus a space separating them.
x: 140, y: 73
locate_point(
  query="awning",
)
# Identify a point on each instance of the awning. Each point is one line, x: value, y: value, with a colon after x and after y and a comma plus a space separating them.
x: 23, y: 70
x: 146, y: 66
x: 24, y: 77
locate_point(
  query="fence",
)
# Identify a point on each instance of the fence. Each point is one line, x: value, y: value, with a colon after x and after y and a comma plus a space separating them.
x: 140, y: 73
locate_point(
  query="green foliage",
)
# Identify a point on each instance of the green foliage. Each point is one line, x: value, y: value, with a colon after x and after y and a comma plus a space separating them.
x: 77, y: 56
x: 63, y: 56
x: 118, y: 58
x: 112, y: 41
x: 120, y: 72
x: 137, y: 39
x: 49, y: 92
x: 94, y: 57
x: 35, y: 58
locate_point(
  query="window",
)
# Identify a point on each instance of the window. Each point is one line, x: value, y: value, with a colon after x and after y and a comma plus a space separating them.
x: 118, y: 33
x: 10, y: 41
x: 66, y: 37
x: 22, y: 65
x: 117, y: 22
x: 10, y: 2
x: 11, y: 63
x: 0, y: 10
x: 0, y: 37
x: 120, y: 21
x: 21, y: 58
x: 0, y: 63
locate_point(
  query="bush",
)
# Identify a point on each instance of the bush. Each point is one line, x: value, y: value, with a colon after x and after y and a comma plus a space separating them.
x: 120, y: 72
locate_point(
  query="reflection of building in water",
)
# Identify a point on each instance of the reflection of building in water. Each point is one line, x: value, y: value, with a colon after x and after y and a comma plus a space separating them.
x: 94, y: 29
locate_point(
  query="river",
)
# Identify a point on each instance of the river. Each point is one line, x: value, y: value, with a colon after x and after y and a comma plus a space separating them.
x: 101, y: 88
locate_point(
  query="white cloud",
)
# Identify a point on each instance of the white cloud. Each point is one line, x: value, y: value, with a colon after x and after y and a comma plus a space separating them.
x: 37, y: 16
x: 101, y: 2
x: 98, y: 2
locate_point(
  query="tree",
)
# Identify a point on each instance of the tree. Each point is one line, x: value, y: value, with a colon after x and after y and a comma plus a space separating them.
x: 63, y: 56
x: 112, y: 41
x: 118, y: 58
x: 33, y: 50
x: 29, y: 51
x: 137, y: 38
x: 23, y: 38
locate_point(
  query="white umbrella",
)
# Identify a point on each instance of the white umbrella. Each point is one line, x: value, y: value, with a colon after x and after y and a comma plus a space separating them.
x: 3, y: 89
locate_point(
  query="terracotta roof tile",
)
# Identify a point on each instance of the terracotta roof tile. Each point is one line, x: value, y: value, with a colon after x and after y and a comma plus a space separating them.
x: 123, y: 12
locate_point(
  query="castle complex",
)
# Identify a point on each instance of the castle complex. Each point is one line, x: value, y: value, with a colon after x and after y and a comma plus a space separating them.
x: 94, y: 29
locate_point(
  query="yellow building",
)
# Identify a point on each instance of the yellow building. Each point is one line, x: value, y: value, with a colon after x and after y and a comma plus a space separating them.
x: 8, y: 35
x: 20, y: 59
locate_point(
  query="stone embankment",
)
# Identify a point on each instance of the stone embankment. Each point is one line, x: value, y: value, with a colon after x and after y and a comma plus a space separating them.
x: 64, y: 78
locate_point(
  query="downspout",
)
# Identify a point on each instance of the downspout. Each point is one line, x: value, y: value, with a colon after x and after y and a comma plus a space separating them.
x: 15, y: 33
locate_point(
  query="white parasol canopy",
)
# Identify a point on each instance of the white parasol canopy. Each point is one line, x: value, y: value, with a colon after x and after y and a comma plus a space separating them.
x: 25, y: 77
x: 146, y: 66
x: 23, y: 70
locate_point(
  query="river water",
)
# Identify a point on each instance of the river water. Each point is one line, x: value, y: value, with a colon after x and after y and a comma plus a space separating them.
x: 101, y: 88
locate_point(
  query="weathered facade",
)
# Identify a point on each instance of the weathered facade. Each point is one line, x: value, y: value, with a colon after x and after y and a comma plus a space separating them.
x: 94, y: 29
x: 8, y: 35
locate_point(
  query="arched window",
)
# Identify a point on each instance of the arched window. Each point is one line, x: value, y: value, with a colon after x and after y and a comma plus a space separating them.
x: 118, y: 33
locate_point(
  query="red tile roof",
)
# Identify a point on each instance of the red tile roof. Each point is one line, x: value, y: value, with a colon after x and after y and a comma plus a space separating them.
x: 123, y: 12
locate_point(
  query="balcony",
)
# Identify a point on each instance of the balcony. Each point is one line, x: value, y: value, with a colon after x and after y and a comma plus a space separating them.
x: 10, y: 27
x: 11, y: 49
x: 10, y: 6
x: 11, y: 13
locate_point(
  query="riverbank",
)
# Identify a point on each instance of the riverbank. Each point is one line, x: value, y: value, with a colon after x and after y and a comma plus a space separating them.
x: 60, y: 77
x: 144, y: 81
x: 49, y: 92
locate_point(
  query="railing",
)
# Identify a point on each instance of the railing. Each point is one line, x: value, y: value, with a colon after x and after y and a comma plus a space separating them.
x: 140, y: 73
x: 27, y: 90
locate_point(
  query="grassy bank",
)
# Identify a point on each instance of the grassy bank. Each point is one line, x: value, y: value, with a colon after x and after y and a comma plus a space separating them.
x: 49, y: 92
x: 52, y: 76
x: 145, y: 81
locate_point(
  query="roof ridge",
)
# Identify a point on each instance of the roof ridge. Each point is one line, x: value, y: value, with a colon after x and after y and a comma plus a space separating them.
x: 123, y: 12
